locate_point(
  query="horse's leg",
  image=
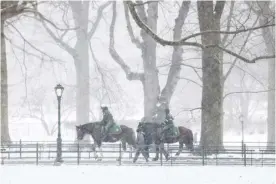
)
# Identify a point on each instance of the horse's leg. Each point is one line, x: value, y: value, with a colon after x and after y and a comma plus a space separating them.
x: 99, y: 145
x: 166, y: 154
x: 180, y: 149
x: 157, y: 153
x: 101, y: 151
x: 94, y: 148
x: 124, y: 150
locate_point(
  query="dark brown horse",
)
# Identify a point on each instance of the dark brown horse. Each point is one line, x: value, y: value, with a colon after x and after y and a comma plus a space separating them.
x: 152, y: 132
x: 126, y: 135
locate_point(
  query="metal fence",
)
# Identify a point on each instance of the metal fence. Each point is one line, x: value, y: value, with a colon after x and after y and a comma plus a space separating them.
x: 44, y: 153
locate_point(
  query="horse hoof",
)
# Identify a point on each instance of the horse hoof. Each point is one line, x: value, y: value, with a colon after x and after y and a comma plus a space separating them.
x: 118, y: 159
x: 99, y: 159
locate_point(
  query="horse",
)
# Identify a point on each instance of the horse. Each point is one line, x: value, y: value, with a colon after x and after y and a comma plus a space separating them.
x: 126, y: 135
x: 153, y: 135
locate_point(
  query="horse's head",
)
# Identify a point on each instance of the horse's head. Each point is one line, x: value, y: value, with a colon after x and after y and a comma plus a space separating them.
x: 141, y: 127
x: 80, y: 132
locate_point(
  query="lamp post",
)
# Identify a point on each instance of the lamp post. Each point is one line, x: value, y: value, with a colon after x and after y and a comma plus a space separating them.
x: 59, y: 90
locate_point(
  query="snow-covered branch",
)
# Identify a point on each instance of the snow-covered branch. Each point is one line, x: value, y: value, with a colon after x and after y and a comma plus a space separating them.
x: 98, y: 19
x: 183, y: 41
x: 134, y: 40
x: 250, y: 92
x: 130, y: 75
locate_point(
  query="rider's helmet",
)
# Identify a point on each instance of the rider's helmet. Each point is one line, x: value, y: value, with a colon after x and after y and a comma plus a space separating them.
x: 104, y: 108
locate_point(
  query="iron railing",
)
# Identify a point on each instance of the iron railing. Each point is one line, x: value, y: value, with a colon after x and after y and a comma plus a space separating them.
x: 41, y: 153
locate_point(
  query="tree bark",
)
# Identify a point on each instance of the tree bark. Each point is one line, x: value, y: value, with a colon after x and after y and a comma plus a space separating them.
x: 151, y: 81
x: 81, y: 60
x: 5, y: 136
x: 211, y: 114
x: 269, y: 39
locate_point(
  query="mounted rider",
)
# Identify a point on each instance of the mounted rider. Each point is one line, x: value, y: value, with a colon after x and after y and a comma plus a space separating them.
x: 168, y: 123
x: 107, y: 122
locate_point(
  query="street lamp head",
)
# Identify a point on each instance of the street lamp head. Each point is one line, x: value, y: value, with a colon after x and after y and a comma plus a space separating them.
x: 59, y: 90
x: 241, y: 117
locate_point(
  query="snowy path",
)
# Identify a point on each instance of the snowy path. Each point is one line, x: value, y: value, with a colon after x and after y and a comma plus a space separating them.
x: 136, y: 175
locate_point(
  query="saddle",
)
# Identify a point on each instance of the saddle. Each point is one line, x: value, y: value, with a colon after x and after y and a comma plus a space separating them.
x: 114, y: 129
x: 172, y: 132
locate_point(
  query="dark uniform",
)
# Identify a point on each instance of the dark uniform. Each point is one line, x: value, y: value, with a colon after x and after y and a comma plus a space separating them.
x: 168, y: 124
x: 107, y: 121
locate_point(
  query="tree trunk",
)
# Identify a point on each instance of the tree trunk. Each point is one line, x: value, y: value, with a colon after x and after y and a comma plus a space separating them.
x: 5, y: 136
x: 82, y: 74
x: 80, y: 15
x: 211, y: 114
x: 175, y: 69
x: 269, y: 39
x: 151, y: 82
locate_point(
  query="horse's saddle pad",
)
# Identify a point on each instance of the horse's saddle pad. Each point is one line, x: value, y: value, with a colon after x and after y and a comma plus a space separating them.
x: 115, y: 129
x: 174, y: 131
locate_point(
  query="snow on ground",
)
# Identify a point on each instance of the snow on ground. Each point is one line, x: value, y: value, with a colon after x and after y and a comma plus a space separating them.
x: 136, y: 175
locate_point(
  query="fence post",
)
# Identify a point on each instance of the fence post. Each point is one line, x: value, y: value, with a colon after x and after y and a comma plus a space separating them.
x: 262, y: 158
x: 20, y: 148
x: 120, y: 153
x: 36, y: 153
x: 161, y: 155
x: 217, y: 157
x: 9, y: 156
x: 171, y: 157
x: 251, y: 156
x: 78, y: 154
x: 130, y: 152
x: 203, y: 154
x: 244, y: 154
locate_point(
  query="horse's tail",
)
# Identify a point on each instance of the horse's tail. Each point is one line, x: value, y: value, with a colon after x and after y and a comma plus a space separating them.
x: 191, y: 140
x: 129, y: 135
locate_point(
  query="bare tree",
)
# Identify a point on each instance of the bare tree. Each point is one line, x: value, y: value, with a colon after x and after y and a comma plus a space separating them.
x: 209, y: 15
x: 267, y: 13
x: 9, y: 9
x: 155, y: 100
x: 80, y: 51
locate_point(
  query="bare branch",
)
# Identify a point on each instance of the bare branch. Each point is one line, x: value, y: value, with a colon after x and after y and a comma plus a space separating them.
x: 236, y: 59
x: 143, y: 26
x: 228, y: 22
x: 61, y: 43
x: 250, y: 92
x: 27, y: 10
x: 190, y: 80
x: 174, y: 72
x: 224, y: 32
x: 98, y: 19
x: 163, y: 42
x: 134, y: 40
x: 241, y: 57
x: 130, y: 75
x: 29, y: 43
x: 188, y: 110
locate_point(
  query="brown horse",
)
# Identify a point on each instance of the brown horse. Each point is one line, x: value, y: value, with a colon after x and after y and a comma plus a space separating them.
x: 126, y: 135
x: 153, y: 135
